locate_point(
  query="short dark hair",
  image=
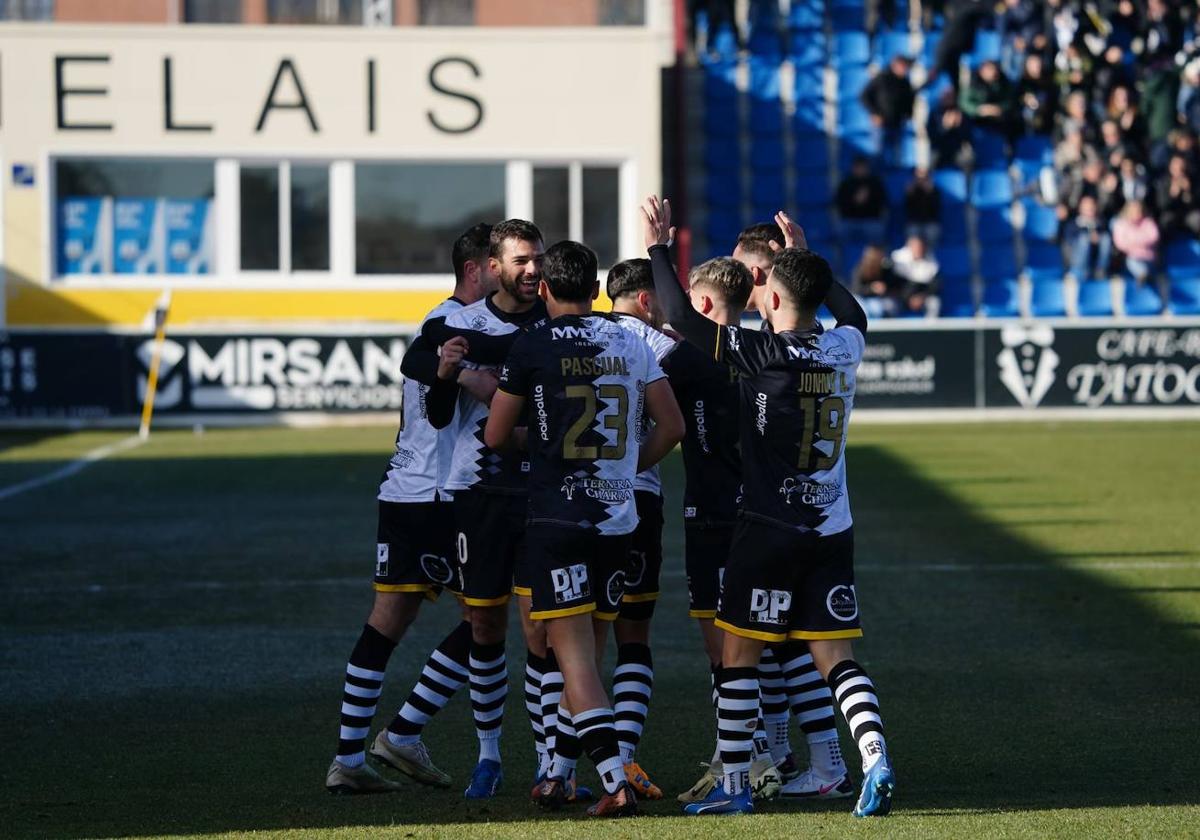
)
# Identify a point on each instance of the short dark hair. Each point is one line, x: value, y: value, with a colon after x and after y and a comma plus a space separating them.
x: 630, y: 277
x: 512, y: 229
x: 804, y: 275
x: 472, y: 246
x: 726, y: 276
x: 757, y: 240
x: 570, y: 271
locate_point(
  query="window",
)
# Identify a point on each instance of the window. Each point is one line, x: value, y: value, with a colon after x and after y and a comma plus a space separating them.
x: 408, y: 214
x: 284, y: 217
x: 26, y: 9
x: 212, y: 11
x: 551, y: 205
x: 315, y: 11
x: 579, y: 202
x: 125, y: 216
x: 447, y: 13
x: 601, y: 211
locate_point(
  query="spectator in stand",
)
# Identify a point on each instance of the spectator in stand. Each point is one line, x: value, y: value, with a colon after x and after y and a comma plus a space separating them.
x: 1109, y: 72
x: 1076, y: 117
x: 1037, y: 97
x: 875, y: 284
x: 947, y: 131
x: 1123, y: 110
x: 1088, y: 242
x: 1181, y: 142
x: 1094, y: 180
x: 889, y: 99
x: 1188, y: 101
x: 918, y: 269
x: 1126, y: 23
x: 1112, y: 144
x: 861, y: 204
x: 1163, y: 34
x: 1131, y: 181
x: 1072, y: 68
x: 1135, y: 236
x: 1176, y: 198
x: 988, y: 100
x: 1018, y: 25
x: 923, y: 208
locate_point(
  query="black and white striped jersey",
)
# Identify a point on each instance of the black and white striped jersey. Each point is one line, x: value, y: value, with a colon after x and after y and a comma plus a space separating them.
x: 420, y: 465
x: 583, y: 378
x: 474, y: 464
x: 661, y: 345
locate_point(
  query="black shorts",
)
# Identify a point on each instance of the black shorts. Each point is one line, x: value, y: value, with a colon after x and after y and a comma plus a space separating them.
x: 491, y: 546
x: 782, y: 584
x: 576, y: 571
x: 414, y: 549
x: 645, y: 558
x: 705, y: 552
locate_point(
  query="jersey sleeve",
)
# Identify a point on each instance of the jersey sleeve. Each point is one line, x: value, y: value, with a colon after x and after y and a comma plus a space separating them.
x: 748, y: 351
x: 482, y: 348
x: 420, y: 361
x: 517, y: 368
x: 843, y: 346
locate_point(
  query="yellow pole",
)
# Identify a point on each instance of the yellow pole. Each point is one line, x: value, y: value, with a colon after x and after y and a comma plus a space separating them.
x: 160, y: 335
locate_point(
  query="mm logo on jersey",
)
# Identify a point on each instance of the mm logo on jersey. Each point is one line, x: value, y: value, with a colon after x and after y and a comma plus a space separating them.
x: 571, y: 583
x: 769, y: 606
x: 586, y: 333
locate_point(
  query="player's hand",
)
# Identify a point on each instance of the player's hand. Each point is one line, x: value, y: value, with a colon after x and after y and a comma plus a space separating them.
x: 656, y: 221
x: 793, y: 234
x: 450, y: 357
x: 480, y: 384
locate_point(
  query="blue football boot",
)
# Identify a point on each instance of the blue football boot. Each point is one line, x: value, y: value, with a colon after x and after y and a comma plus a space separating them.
x: 719, y: 802
x: 875, y: 799
x: 485, y: 780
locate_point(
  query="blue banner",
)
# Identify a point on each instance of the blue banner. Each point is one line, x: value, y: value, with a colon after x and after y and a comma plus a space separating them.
x: 84, y: 226
x: 188, y: 224
x: 136, y: 236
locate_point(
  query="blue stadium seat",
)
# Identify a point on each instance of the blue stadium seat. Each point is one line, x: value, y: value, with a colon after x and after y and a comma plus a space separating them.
x: 768, y: 190
x: 849, y: 256
x: 722, y: 44
x: 809, y: 114
x: 812, y: 152
x: 1185, y: 296
x: 997, y: 263
x: 723, y: 189
x: 818, y: 227
x: 764, y: 78
x: 851, y: 48
x: 929, y: 48
x: 722, y: 228
x: 766, y: 118
x: 1095, y: 298
x: 812, y: 190
x: 767, y: 153
x: 1044, y: 257
x: 957, y: 299
x: 720, y: 81
x: 847, y: 19
x: 952, y: 184
x: 853, y: 118
x: 1034, y: 147
x: 987, y: 47
x: 1041, y: 223
x: 721, y: 118
x: 851, y: 79
x: 989, y: 149
x: 954, y: 261
x: 722, y: 154
x: 889, y: 44
x: 894, y: 182
x: 991, y: 188
x: 908, y: 150
x: 994, y: 227
x: 1183, y: 259
x: 808, y: 48
x: 806, y: 14
x: 1000, y: 299
x: 855, y: 143
x: 1048, y: 300
x: 1141, y: 298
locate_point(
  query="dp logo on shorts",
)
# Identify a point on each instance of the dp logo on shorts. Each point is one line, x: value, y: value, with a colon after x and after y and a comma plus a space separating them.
x: 570, y: 583
x: 769, y: 606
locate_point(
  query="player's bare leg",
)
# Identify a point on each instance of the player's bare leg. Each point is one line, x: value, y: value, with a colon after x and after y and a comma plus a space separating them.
x: 391, y: 616
x: 855, y: 696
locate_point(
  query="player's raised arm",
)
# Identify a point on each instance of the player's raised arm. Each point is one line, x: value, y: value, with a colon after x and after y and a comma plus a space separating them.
x: 668, y: 427
x: 845, y: 308
x: 656, y: 224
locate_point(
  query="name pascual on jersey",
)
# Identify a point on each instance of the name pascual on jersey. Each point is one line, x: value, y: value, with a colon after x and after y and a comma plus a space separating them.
x: 593, y: 365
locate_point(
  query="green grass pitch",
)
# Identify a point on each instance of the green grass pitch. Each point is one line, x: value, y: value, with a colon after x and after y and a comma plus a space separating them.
x: 174, y: 624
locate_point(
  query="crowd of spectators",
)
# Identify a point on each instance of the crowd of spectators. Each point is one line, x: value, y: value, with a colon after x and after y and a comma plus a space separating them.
x: 1114, y: 85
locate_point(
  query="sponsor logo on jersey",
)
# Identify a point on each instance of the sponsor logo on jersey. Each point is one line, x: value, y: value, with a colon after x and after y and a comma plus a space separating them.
x: 539, y: 410
x: 809, y: 493
x: 689, y: 512
x: 842, y: 603
x: 436, y: 569
x: 760, y: 419
x: 601, y: 489
x: 734, y: 338
x: 570, y: 583
x: 585, y: 333
x: 381, y: 560
x: 769, y: 606
x: 479, y: 322
x: 701, y: 427
x: 1027, y: 362
x: 616, y: 587
x: 403, y: 459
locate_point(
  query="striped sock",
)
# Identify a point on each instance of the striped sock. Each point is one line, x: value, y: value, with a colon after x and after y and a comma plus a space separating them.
x: 774, y: 705
x: 364, y: 682
x: 535, y: 667
x: 633, y: 680
x: 598, y: 736
x: 567, y: 754
x: 489, y: 689
x: 860, y: 707
x: 444, y: 673
x: 812, y: 707
x: 551, y: 694
x: 738, y: 711
x: 714, y: 675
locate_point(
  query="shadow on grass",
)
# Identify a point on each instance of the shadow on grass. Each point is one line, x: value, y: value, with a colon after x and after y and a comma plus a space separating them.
x: 152, y: 709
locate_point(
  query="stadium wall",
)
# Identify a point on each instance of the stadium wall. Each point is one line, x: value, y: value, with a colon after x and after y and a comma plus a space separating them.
x: 970, y: 368
x: 265, y: 173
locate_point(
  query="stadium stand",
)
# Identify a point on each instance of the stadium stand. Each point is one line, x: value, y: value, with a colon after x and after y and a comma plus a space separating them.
x: 1003, y: 202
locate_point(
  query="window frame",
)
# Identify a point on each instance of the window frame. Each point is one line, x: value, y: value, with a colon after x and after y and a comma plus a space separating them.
x: 227, y: 274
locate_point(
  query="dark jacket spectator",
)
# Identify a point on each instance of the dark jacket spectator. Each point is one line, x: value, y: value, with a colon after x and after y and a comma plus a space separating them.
x: 923, y: 208
x: 1019, y: 23
x: 1037, y: 97
x: 988, y: 100
x: 1177, y: 201
x: 861, y: 195
x: 889, y: 96
x: 947, y: 130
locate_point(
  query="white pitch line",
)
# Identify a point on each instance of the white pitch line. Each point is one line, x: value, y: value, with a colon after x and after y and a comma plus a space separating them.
x: 85, y: 460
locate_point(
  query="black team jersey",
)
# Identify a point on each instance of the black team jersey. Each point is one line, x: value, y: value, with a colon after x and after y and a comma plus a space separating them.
x: 796, y: 394
x: 707, y: 393
x: 583, y: 378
